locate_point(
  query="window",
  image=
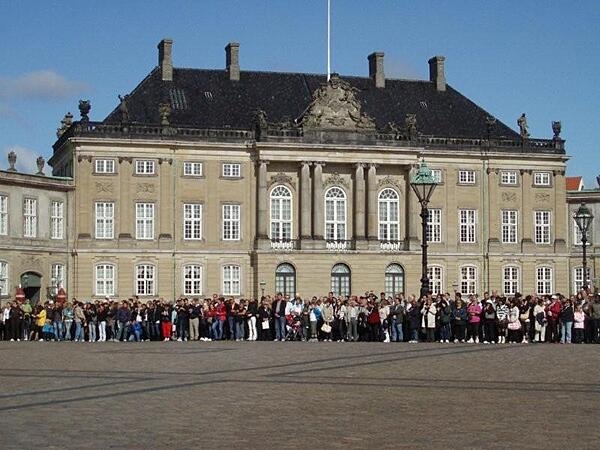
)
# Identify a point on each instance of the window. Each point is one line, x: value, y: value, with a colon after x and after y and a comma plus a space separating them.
x: 192, y: 279
x: 285, y: 279
x: 144, y: 167
x: 508, y: 177
x: 335, y: 214
x: 105, y: 166
x: 105, y: 212
x: 30, y: 217
x: 388, y: 215
x: 3, y: 278
x: 231, y: 280
x: 468, y: 280
x: 58, y: 275
x: 436, y: 281
x: 434, y: 225
x: 394, y: 280
x: 3, y: 215
x: 544, y: 280
x: 144, y: 220
x: 578, y: 279
x: 437, y: 175
x: 466, y: 177
x: 509, y: 226
x: 231, y: 222
x: 231, y: 170
x: 281, y: 213
x: 340, y: 280
x: 144, y: 279
x: 542, y: 178
x: 542, y: 227
x: 510, y: 280
x: 105, y: 280
x: 578, y: 234
x: 192, y: 169
x: 56, y: 220
x: 192, y: 221
x: 467, y: 225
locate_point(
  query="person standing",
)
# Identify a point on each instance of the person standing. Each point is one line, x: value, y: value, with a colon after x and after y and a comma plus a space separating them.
x: 79, y: 320
x: 251, y: 314
x: 278, y: 309
x: 567, y: 316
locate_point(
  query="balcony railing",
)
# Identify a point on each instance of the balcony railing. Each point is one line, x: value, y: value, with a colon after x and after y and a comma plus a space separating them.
x: 390, y: 246
x: 284, y: 244
x: 339, y: 245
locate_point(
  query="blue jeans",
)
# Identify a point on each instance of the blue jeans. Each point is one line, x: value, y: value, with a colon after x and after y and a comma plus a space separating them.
x: 58, y: 330
x: 397, y: 333
x: 565, y: 332
x: 239, y: 329
x: 445, y: 332
x: 217, y: 329
x: 153, y: 330
x: 68, y: 325
x: 414, y: 334
x: 122, y: 331
x: 231, y: 322
x: 78, y: 332
x: 280, y: 328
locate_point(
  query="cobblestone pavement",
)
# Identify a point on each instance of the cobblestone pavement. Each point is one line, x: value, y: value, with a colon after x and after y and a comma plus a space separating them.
x: 298, y: 395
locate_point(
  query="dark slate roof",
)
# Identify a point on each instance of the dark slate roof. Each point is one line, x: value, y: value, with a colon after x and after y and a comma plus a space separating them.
x: 208, y: 99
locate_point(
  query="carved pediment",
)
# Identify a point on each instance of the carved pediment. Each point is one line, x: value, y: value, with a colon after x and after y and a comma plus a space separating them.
x: 281, y: 178
x: 388, y: 181
x: 335, y: 106
x: 335, y: 179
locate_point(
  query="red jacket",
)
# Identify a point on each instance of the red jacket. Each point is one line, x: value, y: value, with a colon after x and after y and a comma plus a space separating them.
x: 221, y: 311
x: 553, y: 311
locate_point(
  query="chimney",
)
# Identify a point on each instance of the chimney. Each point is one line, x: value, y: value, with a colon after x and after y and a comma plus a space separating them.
x: 376, y: 69
x: 165, y: 60
x: 436, y: 72
x: 232, y: 60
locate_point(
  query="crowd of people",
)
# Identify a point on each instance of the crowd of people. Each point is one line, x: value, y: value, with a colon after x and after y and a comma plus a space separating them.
x: 444, y: 318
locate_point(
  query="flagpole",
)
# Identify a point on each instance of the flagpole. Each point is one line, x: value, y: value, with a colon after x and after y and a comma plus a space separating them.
x: 328, y: 39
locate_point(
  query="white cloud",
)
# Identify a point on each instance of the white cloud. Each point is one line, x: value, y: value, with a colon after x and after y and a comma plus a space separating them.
x: 26, y: 159
x: 40, y: 85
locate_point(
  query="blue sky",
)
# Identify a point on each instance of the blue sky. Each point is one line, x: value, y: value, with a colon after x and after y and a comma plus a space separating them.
x: 538, y: 57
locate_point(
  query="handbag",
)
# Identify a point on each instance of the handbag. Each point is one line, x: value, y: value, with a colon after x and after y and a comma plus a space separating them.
x: 265, y: 324
x: 326, y: 328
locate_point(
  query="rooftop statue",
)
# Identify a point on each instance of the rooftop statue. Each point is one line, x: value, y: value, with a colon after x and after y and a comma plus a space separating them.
x: 523, y: 127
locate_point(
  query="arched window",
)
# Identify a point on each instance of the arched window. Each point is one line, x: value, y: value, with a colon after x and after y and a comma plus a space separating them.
x: 543, y: 281
x: 578, y: 278
x: 388, y: 215
x: 285, y: 279
x: 232, y: 279
x: 436, y: 279
x: 394, y: 280
x: 105, y: 279
x: 192, y: 279
x: 145, y: 279
x: 510, y: 280
x: 3, y: 278
x: 340, y: 279
x: 335, y: 214
x: 281, y: 213
x: 468, y: 280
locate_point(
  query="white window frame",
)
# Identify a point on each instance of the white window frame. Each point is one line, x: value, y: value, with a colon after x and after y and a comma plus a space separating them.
x: 192, y: 221
x: 145, y: 167
x: 511, y: 277
x: 144, y: 221
x: 231, y: 213
x: 58, y: 273
x: 232, y: 279
x: 509, y: 177
x: 435, y: 274
x: 104, y: 166
x: 192, y: 279
x: 466, y: 176
x: 335, y: 214
x: 467, y: 226
x: 231, y: 170
x: 145, y: 279
x: 544, y: 280
x: 3, y: 215
x: 4, y: 278
x: 434, y: 225
x: 437, y: 175
x: 57, y: 219
x: 509, y: 226
x: 542, y: 179
x: 281, y: 213
x: 468, y: 280
x: 578, y: 278
x: 105, y: 276
x: 193, y: 169
x: 104, y: 213
x: 30, y: 222
x: 542, y: 227
x: 389, y: 215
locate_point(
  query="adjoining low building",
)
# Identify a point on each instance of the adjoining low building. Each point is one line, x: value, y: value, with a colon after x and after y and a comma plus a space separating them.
x: 240, y: 182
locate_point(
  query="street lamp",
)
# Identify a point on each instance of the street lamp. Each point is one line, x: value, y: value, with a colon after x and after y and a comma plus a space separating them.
x: 262, y: 287
x: 583, y: 219
x: 423, y: 183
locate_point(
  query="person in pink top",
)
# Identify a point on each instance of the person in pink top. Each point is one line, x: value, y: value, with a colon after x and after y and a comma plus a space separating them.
x: 578, y: 325
x: 474, y: 310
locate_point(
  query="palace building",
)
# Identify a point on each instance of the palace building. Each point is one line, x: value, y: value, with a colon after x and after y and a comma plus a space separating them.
x: 240, y: 182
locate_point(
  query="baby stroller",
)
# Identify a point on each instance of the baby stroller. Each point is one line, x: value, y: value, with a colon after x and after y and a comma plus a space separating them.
x: 294, y: 328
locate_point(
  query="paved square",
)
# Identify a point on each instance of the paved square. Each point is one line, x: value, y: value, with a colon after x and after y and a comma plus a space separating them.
x: 298, y: 395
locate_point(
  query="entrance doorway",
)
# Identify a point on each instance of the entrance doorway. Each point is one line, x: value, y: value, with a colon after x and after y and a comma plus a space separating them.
x: 31, y: 283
